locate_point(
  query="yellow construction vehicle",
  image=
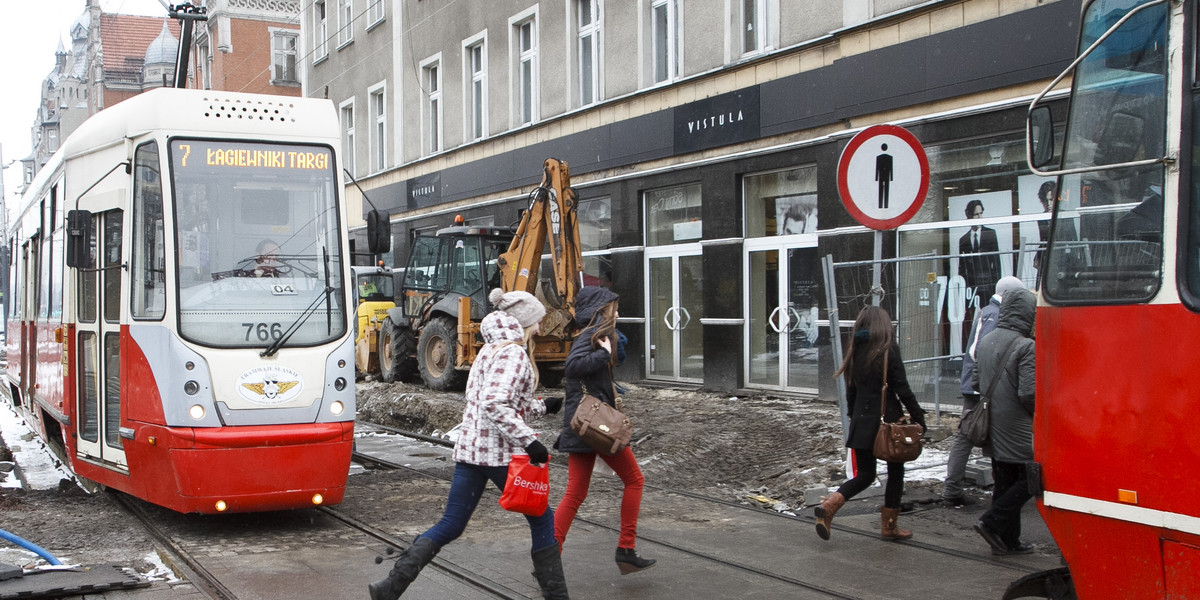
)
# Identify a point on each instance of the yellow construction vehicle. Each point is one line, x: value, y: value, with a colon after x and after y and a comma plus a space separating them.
x: 373, y: 296
x: 433, y: 332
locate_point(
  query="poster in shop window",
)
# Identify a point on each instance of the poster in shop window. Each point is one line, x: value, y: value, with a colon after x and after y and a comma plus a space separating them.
x: 982, y: 254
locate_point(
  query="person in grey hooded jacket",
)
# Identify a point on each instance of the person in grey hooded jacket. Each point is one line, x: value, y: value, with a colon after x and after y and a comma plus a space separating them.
x: 1007, y: 355
x: 960, y: 447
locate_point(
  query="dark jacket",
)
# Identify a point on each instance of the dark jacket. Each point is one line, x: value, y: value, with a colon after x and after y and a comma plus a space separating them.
x: 587, y: 368
x: 863, y: 397
x: 1012, y: 401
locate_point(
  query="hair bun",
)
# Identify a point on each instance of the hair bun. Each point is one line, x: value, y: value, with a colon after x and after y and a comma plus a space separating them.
x: 496, y: 296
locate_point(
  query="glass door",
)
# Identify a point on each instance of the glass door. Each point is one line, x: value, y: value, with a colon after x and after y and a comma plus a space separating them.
x: 98, y: 344
x: 674, y: 306
x: 782, y: 313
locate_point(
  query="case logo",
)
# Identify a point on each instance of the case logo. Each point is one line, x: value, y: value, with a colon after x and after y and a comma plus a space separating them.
x: 270, y: 385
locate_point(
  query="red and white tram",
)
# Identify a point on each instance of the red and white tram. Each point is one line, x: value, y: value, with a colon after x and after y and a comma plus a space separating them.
x: 178, y: 323
x: 1119, y: 317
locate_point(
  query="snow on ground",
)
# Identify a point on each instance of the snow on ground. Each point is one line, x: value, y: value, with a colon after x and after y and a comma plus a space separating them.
x: 40, y: 469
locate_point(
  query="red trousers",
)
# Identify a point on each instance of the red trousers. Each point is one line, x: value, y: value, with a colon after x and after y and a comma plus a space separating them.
x: 579, y: 478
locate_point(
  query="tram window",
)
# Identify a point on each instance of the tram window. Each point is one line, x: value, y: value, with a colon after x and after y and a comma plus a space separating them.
x: 1117, y: 116
x: 149, y: 292
x: 112, y: 266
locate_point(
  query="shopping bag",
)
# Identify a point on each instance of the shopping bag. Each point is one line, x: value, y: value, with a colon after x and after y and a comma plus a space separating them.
x: 527, y: 489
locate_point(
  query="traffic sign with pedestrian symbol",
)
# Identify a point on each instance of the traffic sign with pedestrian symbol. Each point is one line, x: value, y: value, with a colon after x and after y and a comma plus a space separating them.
x: 883, y: 175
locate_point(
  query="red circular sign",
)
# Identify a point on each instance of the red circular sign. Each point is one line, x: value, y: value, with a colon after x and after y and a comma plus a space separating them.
x: 883, y: 175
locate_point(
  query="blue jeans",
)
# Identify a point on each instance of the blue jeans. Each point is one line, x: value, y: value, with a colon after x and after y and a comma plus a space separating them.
x: 465, y: 490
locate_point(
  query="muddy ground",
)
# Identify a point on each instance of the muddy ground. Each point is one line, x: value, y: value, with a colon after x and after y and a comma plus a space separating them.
x: 757, y: 448
x: 704, y: 442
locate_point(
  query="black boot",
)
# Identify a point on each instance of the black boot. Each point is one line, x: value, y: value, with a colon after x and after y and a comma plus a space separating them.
x: 408, y: 564
x: 547, y: 568
x: 628, y: 561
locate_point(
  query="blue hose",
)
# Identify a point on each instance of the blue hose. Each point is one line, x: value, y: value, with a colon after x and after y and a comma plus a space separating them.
x: 30, y: 546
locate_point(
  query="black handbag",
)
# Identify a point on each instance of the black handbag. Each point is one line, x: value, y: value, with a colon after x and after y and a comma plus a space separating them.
x: 976, y: 425
x: 896, y: 442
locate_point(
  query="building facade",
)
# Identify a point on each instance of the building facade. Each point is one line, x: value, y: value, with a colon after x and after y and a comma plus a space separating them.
x: 704, y: 140
x: 114, y: 57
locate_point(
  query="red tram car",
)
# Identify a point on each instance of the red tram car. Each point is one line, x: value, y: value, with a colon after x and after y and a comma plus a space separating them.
x: 178, y: 325
x: 1118, y: 314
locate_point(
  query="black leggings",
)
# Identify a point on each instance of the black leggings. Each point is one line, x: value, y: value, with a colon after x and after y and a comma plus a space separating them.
x: 864, y: 463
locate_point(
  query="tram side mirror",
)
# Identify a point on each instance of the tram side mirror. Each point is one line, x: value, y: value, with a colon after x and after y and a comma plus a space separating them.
x: 79, y: 239
x: 1041, y: 136
x: 379, y: 232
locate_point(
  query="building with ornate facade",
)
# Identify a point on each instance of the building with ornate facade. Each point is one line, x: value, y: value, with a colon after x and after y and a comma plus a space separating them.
x: 244, y: 46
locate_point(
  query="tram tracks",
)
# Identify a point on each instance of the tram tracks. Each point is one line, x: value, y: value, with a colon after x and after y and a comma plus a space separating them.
x: 807, y: 519
x: 185, y: 562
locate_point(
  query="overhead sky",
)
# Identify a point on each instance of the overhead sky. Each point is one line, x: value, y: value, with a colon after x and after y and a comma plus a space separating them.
x: 29, y: 34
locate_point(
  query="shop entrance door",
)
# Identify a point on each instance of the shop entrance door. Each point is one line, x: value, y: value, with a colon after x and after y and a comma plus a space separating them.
x: 674, y: 305
x: 782, y: 310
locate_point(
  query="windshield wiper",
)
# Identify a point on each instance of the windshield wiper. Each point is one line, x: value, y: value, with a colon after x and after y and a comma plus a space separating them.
x: 295, y: 326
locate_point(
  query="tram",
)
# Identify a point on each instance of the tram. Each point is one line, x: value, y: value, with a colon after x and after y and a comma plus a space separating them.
x: 1117, y: 324
x: 178, y: 325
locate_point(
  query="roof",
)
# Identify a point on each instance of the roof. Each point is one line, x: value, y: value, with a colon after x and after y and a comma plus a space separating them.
x: 125, y: 39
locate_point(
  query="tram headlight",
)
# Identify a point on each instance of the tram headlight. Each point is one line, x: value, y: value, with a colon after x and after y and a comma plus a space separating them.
x: 339, y: 384
x: 318, y: 499
x: 221, y: 506
x: 196, y: 411
x: 191, y: 388
x: 337, y: 407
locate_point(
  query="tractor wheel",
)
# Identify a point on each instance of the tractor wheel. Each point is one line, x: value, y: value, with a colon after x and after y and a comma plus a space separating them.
x: 397, y: 352
x: 437, y: 350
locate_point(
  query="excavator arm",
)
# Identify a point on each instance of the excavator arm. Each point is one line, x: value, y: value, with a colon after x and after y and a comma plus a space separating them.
x: 552, y: 217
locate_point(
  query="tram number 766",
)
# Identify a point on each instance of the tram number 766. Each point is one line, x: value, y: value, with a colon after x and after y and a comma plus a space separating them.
x: 263, y: 331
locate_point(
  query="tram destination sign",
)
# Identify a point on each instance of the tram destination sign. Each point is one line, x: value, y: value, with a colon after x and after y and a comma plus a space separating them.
x: 189, y: 154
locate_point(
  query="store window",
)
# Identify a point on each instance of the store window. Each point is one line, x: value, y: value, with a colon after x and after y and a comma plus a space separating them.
x: 595, y: 223
x: 781, y: 203
x: 673, y: 215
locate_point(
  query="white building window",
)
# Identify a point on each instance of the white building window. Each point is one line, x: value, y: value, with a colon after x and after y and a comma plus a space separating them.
x: 346, y: 21
x: 320, y: 31
x: 376, y: 11
x: 525, y: 45
x: 758, y: 25
x: 588, y: 12
x: 347, y: 115
x: 378, y: 95
x: 283, y: 55
x: 204, y: 65
x: 664, y: 18
x: 475, y: 87
x: 431, y: 80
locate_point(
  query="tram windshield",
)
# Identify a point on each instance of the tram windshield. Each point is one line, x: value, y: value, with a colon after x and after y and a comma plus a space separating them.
x: 257, y: 243
x: 1108, y: 226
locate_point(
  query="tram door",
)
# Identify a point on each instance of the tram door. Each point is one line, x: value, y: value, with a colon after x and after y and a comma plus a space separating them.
x: 782, y: 310
x: 97, y: 343
x: 674, y: 307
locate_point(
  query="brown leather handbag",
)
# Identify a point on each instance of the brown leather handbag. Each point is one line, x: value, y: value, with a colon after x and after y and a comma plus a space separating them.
x: 895, y: 442
x: 604, y: 428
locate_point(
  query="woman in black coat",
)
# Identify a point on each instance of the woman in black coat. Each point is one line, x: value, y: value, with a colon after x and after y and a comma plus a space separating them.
x: 863, y: 367
x: 589, y: 368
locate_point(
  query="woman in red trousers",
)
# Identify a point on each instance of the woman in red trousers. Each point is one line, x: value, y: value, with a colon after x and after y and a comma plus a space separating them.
x: 589, y: 369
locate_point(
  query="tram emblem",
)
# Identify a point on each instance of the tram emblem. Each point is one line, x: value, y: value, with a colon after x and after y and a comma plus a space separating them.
x: 270, y: 385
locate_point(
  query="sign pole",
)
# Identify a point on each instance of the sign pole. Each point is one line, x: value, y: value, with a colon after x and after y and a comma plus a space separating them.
x: 876, y: 275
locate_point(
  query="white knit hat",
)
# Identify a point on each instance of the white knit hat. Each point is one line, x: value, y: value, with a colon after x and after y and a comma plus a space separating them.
x: 1008, y: 283
x: 521, y: 305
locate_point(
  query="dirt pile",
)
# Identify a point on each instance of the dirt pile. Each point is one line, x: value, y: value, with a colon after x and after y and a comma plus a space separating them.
x: 685, y: 439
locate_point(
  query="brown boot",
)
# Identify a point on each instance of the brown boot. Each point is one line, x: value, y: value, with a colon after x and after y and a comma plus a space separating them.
x: 825, y: 511
x: 890, y: 531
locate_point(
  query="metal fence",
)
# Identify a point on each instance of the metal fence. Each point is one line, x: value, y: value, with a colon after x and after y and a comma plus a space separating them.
x: 931, y: 306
